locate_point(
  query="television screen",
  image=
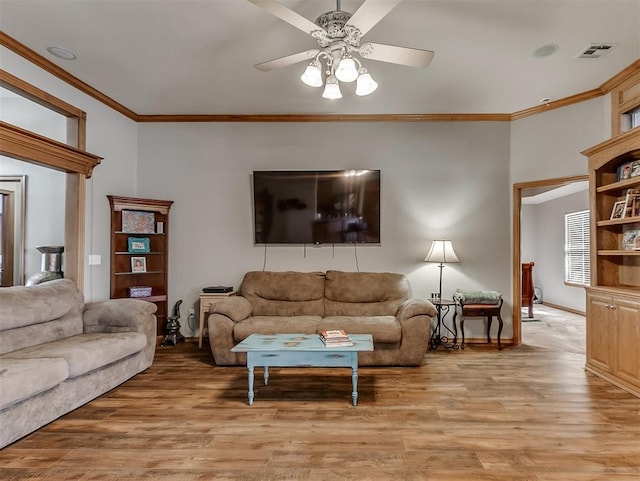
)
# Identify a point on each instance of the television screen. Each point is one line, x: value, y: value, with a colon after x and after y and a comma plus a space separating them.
x: 316, y: 207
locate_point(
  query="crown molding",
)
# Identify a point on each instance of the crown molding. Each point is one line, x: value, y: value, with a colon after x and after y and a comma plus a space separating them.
x: 37, y: 59
x: 328, y: 118
x: 556, y: 104
x: 48, y: 66
x: 620, y: 77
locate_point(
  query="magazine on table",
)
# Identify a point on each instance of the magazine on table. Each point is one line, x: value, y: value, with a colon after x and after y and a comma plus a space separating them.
x: 335, y: 338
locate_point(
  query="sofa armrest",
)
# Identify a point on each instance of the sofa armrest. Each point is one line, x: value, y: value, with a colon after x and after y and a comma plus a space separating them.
x: 223, y: 316
x: 120, y: 315
x: 124, y: 315
x: 235, y: 308
x: 415, y: 307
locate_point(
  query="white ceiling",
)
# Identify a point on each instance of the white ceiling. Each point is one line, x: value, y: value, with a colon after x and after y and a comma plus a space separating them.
x: 197, y: 56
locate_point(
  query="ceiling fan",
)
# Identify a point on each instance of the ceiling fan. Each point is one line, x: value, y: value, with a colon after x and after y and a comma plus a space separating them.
x: 339, y: 35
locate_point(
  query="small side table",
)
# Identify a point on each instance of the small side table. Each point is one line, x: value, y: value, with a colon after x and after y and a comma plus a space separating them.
x: 207, y: 300
x: 439, y: 335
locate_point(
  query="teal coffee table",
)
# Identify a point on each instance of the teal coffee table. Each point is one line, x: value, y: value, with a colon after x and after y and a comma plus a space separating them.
x: 301, y: 350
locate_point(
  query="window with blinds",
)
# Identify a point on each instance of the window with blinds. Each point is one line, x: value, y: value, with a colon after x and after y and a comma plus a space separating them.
x: 576, y: 253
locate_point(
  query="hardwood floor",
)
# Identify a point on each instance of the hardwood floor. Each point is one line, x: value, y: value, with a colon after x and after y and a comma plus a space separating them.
x: 555, y: 329
x: 529, y: 412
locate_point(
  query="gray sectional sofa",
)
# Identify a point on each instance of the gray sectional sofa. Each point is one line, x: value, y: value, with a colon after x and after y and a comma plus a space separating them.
x: 377, y: 303
x: 57, y: 353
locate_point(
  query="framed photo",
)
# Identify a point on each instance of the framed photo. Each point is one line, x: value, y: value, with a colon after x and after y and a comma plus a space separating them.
x: 138, y: 244
x: 618, y: 210
x: 635, y: 168
x: 631, y: 240
x: 635, y: 208
x: 138, y: 222
x: 624, y: 171
x: 138, y: 264
x: 629, y: 198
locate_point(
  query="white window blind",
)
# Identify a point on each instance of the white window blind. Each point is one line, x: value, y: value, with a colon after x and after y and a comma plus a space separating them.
x: 576, y: 253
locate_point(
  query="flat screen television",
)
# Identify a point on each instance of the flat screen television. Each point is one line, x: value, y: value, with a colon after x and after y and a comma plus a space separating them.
x: 316, y: 207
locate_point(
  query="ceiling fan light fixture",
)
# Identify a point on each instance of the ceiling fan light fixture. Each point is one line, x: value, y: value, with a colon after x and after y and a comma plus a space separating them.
x: 365, y: 84
x: 312, y: 75
x: 332, y: 88
x: 338, y: 35
x: 347, y: 70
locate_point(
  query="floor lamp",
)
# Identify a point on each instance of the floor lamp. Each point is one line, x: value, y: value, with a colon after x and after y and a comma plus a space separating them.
x: 441, y: 251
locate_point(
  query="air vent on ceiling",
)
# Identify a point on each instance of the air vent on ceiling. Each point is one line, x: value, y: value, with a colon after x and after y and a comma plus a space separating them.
x: 596, y: 50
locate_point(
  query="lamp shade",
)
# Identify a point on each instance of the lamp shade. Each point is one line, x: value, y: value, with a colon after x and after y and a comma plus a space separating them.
x: 441, y: 251
x: 347, y: 70
x: 332, y: 89
x: 365, y: 83
x: 312, y: 75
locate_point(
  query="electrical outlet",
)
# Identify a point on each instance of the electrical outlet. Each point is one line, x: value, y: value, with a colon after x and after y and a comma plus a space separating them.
x: 192, y: 312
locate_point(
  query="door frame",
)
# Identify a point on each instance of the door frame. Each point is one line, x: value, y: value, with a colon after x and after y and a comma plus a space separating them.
x: 516, y: 236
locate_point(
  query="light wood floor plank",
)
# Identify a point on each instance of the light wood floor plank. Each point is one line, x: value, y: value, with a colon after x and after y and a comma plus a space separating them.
x: 527, y: 413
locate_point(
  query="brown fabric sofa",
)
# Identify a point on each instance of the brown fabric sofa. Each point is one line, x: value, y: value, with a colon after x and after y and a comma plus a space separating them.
x: 58, y: 353
x: 309, y: 302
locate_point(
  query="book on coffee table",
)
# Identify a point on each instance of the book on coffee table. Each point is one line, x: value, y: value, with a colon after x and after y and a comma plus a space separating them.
x: 335, y: 338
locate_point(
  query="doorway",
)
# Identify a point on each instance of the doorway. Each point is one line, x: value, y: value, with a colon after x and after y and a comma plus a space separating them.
x: 12, y: 195
x: 521, y: 191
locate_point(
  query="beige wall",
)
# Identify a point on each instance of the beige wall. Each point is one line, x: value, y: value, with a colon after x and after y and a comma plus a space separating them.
x: 434, y: 180
x: 439, y: 180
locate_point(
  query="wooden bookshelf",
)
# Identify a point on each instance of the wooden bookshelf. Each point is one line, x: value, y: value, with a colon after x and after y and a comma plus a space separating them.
x: 613, y: 299
x: 156, y: 273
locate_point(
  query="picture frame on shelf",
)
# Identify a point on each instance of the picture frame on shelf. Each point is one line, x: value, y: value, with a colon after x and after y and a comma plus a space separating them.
x: 618, y: 210
x: 139, y: 245
x: 631, y: 240
x: 138, y: 222
x: 624, y: 171
x: 635, y: 207
x: 138, y: 264
x: 630, y: 197
x: 635, y: 168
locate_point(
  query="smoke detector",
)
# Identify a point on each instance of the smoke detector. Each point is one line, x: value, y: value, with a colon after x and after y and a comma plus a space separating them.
x: 596, y: 50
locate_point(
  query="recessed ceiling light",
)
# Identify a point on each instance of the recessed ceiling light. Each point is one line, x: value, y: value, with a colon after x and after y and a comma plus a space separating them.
x: 62, y: 53
x: 545, y: 50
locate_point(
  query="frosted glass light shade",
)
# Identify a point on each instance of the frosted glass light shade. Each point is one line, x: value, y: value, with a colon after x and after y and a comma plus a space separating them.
x: 365, y: 84
x: 332, y: 88
x: 347, y: 70
x: 441, y: 251
x: 312, y: 75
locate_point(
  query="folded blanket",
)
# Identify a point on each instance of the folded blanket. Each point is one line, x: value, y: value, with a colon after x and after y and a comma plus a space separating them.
x: 477, y: 297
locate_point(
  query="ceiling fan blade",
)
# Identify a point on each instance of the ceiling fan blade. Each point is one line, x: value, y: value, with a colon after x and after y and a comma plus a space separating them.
x: 288, y: 60
x: 284, y: 13
x: 370, y: 13
x: 412, y: 57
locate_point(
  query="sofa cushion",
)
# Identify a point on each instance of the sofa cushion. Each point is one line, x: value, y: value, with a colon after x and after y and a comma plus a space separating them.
x: 365, y: 293
x: 284, y: 293
x: 32, y: 315
x: 385, y: 329
x: 23, y: 378
x: 86, y: 352
x: 276, y: 325
x: 24, y: 306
